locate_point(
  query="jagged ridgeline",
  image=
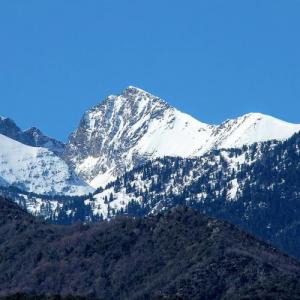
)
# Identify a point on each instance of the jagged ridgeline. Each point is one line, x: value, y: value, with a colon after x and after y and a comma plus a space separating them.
x: 245, y: 170
x: 120, y: 133
x: 125, y: 130
x: 31, y: 137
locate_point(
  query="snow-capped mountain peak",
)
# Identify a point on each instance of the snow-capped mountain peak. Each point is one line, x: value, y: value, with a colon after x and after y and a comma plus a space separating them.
x: 136, y: 91
x: 251, y: 128
x: 116, y: 135
x: 127, y: 129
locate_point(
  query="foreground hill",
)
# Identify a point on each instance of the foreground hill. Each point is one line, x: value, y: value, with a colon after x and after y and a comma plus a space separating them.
x: 178, y: 253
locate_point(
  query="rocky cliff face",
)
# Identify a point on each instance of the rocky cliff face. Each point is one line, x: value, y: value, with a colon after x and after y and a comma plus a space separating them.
x: 127, y: 129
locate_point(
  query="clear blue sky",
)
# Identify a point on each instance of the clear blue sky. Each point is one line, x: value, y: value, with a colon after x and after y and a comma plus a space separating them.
x: 212, y: 59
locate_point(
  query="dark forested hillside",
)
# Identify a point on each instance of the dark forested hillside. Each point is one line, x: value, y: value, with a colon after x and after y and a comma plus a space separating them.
x: 180, y: 253
x: 23, y: 296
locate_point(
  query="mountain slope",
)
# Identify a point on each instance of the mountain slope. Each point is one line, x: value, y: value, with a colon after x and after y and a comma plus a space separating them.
x: 126, y: 130
x: 255, y: 187
x: 31, y: 137
x: 179, y: 253
x: 36, y: 169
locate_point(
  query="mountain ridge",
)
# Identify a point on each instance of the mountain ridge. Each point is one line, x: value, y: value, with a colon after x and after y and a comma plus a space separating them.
x: 140, y: 126
x: 31, y: 136
x: 126, y: 130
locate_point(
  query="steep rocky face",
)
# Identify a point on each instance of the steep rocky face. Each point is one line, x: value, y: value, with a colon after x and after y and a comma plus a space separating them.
x: 126, y: 130
x: 31, y: 137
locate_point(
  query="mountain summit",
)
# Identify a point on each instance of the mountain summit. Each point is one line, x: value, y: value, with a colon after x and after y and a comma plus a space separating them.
x: 127, y: 129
